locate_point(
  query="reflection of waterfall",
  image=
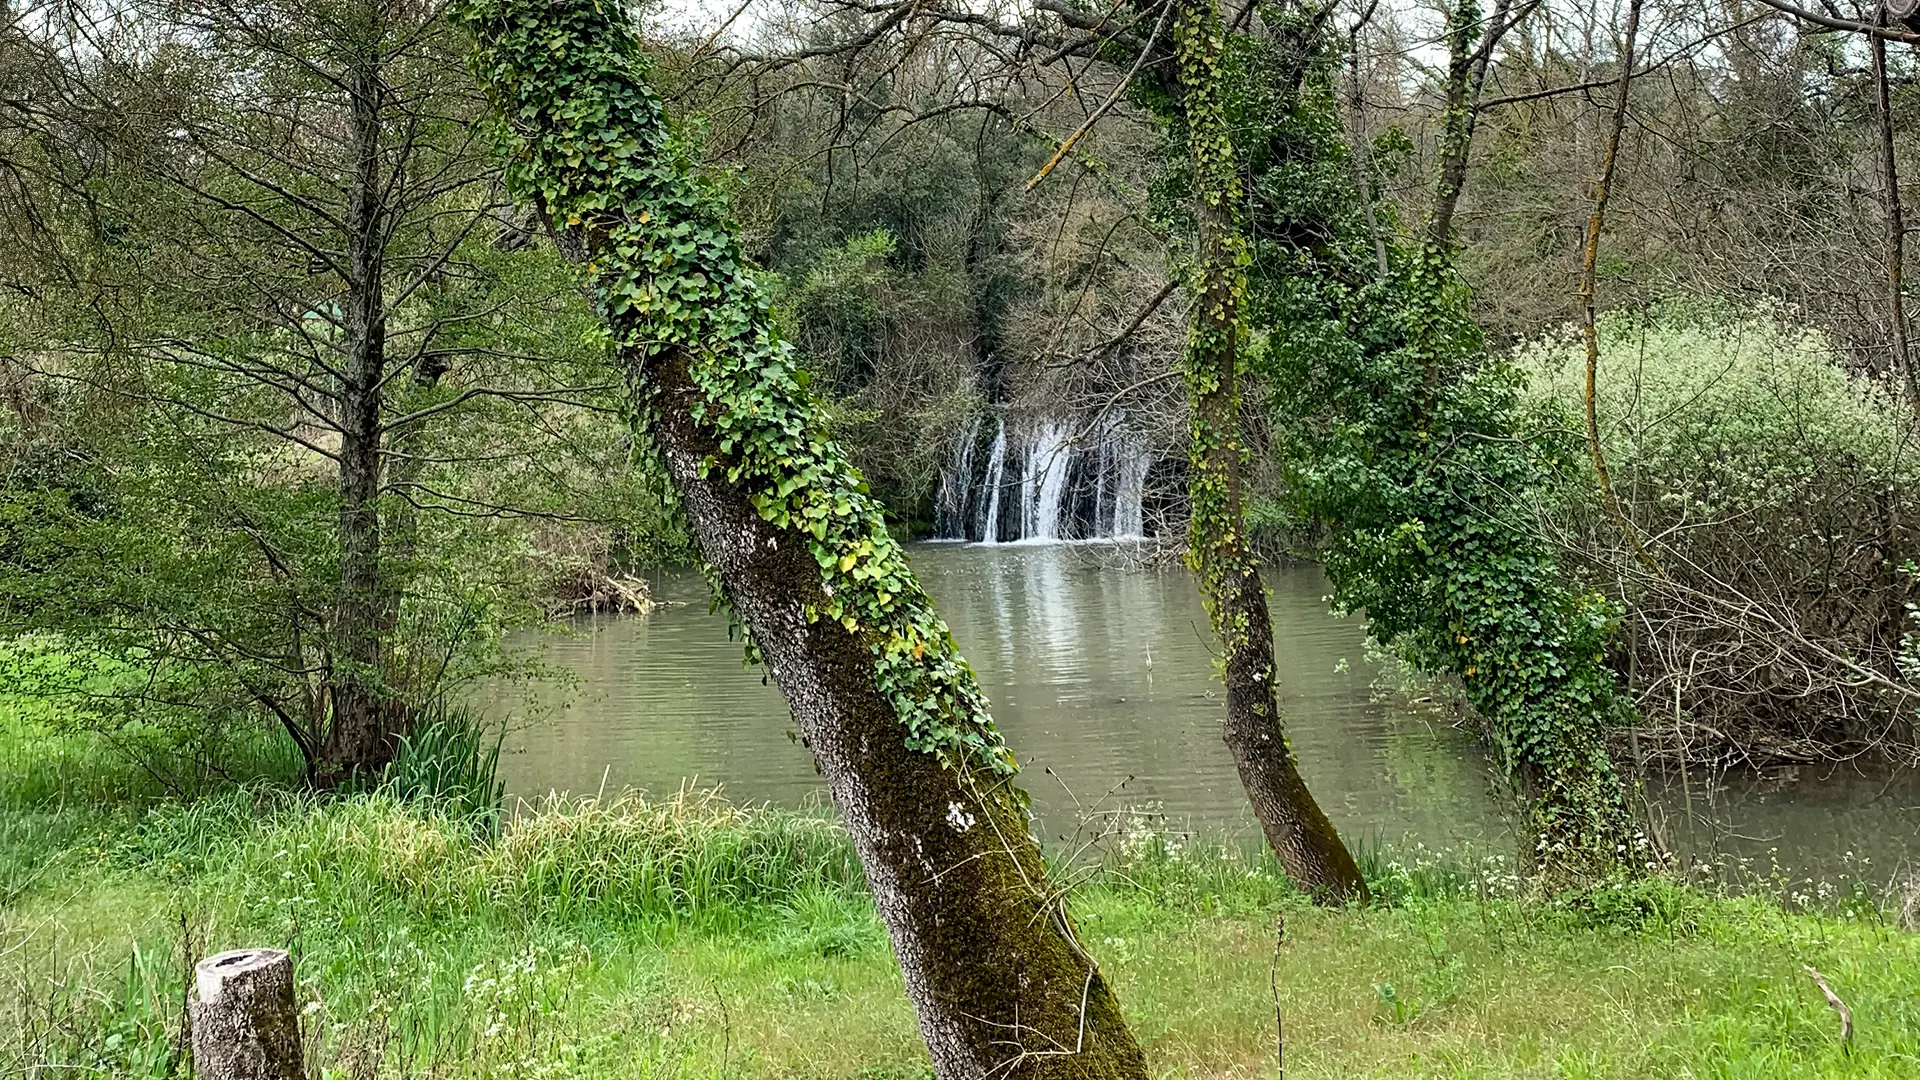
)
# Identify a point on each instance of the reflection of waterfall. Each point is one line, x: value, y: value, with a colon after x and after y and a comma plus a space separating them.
x: 1045, y: 478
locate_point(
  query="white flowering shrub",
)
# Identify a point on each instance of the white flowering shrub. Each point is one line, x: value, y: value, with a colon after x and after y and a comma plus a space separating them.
x: 1775, y: 491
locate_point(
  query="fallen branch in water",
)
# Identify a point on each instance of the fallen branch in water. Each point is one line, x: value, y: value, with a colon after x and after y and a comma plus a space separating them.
x: 592, y: 590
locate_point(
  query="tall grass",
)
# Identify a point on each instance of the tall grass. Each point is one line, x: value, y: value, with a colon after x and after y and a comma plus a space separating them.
x: 691, y: 857
x: 451, y: 759
x: 689, y: 936
x: 685, y: 856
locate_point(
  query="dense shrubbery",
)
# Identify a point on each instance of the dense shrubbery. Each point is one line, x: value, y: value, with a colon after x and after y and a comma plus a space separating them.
x: 1778, y: 495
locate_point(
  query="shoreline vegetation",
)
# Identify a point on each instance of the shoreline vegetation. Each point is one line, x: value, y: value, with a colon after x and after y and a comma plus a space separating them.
x: 341, y: 345
x: 693, y: 937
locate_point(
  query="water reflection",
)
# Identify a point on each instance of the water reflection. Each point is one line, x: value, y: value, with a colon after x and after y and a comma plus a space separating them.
x: 1101, y: 678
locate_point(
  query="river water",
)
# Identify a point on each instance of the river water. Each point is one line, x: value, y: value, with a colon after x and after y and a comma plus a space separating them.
x: 1101, y: 678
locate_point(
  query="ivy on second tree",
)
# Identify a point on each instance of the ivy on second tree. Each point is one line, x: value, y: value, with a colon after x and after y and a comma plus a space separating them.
x: 1402, y: 435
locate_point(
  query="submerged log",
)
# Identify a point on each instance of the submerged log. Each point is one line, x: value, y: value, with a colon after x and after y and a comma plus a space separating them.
x: 246, y: 1022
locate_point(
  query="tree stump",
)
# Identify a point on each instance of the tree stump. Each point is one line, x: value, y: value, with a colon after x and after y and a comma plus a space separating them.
x: 246, y: 1021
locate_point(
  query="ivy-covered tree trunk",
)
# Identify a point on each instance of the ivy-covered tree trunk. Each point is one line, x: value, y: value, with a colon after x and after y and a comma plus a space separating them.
x: 1236, y: 600
x: 1405, y: 438
x: 798, y: 549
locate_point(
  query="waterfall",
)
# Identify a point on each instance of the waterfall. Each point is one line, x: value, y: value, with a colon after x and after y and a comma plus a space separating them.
x: 950, y: 507
x: 996, y: 467
x: 1130, y: 463
x: 1046, y: 481
x: 1032, y: 479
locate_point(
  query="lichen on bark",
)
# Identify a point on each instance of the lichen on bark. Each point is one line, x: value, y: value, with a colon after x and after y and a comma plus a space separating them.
x: 798, y: 549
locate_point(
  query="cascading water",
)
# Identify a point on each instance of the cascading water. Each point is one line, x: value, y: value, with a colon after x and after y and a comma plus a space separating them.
x: 1045, y: 481
x: 950, y: 506
x: 1124, y: 452
x: 996, y: 468
x: 1032, y: 479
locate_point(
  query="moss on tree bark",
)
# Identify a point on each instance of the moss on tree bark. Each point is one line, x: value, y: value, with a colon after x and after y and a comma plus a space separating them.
x: 797, y: 548
x: 1229, y: 574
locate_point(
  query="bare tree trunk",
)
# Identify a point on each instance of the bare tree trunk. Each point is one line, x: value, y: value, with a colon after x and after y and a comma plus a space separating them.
x: 1896, y: 255
x: 878, y: 690
x: 245, y: 1018
x: 1295, y: 826
x: 1589, y: 287
x: 358, y: 738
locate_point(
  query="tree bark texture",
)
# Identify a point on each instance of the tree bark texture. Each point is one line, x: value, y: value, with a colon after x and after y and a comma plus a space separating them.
x: 1896, y: 255
x: 798, y: 550
x: 245, y: 1019
x: 1229, y: 574
x: 362, y: 734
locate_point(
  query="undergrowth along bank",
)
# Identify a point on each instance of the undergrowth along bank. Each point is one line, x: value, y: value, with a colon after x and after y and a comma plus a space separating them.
x: 691, y: 937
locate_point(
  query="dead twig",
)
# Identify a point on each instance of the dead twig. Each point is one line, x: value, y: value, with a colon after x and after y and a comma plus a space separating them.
x: 1833, y: 999
x: 1273, y: 984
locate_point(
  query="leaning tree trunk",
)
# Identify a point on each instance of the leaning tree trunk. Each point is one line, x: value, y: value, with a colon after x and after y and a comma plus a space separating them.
x: 1236, y: 600
x: 891, y: 712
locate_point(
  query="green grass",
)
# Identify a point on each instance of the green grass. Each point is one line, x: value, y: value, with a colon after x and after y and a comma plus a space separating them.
x: 692, y: 938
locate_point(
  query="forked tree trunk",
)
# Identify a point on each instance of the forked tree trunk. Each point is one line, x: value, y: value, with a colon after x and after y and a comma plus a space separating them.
x: 890, y: 711
x: 1236, y: 600
x: 1470, y: 44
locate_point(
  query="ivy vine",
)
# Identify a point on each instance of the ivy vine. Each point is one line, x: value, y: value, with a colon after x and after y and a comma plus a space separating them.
x: 1402, y: 436
x: 589, y: 142
x: 1217, y: 550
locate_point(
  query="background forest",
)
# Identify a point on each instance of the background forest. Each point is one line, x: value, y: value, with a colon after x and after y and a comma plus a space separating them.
x: 199, y: 386
x: 1572, y: 342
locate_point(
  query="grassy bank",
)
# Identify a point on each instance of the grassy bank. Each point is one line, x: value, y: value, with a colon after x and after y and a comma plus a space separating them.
x: 692, y: 938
